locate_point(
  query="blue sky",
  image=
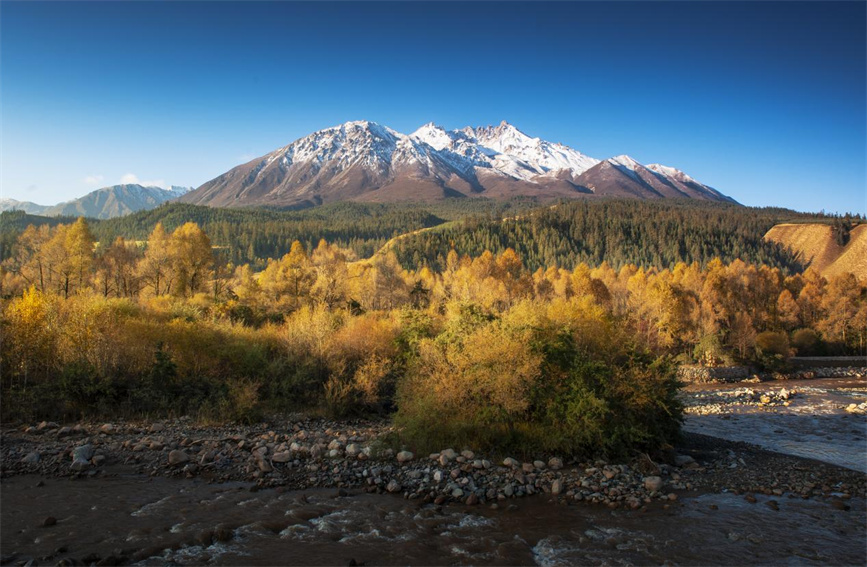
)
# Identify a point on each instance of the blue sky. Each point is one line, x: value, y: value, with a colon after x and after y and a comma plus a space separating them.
x: 767, y: 102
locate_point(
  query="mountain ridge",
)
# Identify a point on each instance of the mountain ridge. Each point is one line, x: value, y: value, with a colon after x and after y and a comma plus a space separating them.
x: 366, y: 161
x: 104, y: 203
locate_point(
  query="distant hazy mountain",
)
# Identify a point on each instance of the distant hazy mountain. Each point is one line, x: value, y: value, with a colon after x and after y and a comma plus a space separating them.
x: 26, y: 206
x: 105, y: 203
x: 365, y: 161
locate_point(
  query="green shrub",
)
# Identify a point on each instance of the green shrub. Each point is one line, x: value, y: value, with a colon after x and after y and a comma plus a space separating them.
x: 806, y: 342
x: 772, y: 350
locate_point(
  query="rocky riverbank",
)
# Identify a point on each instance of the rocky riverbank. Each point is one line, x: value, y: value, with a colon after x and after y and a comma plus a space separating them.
x: 299, y: 453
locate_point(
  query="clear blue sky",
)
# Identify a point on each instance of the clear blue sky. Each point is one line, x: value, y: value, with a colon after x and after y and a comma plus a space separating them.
x: 767, y: 102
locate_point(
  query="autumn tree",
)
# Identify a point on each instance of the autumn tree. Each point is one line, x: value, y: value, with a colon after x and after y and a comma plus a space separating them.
x: 156, y: 268
x: 192, y: 258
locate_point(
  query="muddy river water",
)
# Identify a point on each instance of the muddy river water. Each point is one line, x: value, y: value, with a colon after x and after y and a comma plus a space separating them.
x: 133, y: 518
x: 166, y: 521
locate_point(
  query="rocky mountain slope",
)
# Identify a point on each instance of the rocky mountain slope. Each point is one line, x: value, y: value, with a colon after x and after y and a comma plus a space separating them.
x: 365, y: 161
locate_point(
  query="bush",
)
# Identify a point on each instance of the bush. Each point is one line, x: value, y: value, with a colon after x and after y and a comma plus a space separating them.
x: 772, y: 350
x: 806, y: 342
x: 523, y: 383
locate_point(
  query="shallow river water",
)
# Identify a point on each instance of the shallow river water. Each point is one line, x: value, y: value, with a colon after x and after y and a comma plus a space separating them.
x: 165, y: 521
x: 814, y: 425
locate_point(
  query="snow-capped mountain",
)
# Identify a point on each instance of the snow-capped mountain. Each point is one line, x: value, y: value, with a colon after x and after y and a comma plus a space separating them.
x: 367, y: 161
x: 108, y: 202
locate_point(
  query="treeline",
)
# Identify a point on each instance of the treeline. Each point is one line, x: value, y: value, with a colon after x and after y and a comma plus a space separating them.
x: 483, y: 352
x: 254, y: 235
x: 620, y: 232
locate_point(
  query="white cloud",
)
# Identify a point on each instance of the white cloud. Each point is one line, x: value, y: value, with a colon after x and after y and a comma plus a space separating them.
x: 93, y: 179
x: 131, y: 178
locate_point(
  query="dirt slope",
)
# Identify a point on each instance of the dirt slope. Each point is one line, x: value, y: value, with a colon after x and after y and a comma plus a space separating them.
x: 815, y: 246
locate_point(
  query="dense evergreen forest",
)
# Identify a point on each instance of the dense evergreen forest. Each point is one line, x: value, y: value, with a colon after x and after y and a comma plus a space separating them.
x: 619, y: 232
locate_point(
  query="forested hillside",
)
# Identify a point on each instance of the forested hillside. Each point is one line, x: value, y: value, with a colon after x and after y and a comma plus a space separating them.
x: 254, y: 235
x: 619, y: 232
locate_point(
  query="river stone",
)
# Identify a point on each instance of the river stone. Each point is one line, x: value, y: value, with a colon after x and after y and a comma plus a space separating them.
x: 83, y: 453
x: 107, y: 428
x: 282, y: 457
x: 438, y: 476
x: 444, y: 460
x: 510, y: 462
x: 555, y: 463
x: 468, y: 455
x: 457, y: 493
x: 46, y: 425
x: 157, y: 427
x: 352, y: 450
x: 684, y: 461
x: 404, y: 457
x: 177, y: 457
x: 472, y: 499
x: 539, y: 465
x: 393, y: 486
x: 653, y: 483
x: 556, y: 487
x: 31, y: 458
x: 64, y: 431
x: 449, y: 454
x: 335, y: 444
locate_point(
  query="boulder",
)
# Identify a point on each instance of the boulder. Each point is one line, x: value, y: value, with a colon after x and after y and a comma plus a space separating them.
x: 653, y: 483
x: 393, y: 486
x: 282, y: 457
x: 404, y: 457
x: 177, y: 457
x: 31, y: 458
x: 556, y: 487
x: 510, y: 462
x: 352, y: 450
x: 555, y: 463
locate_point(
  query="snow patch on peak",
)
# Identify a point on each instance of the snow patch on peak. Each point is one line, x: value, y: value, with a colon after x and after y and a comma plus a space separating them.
x: 670, y: 172
x: 626, y: 165
x: 434, y: 136
x: 625, y: 161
